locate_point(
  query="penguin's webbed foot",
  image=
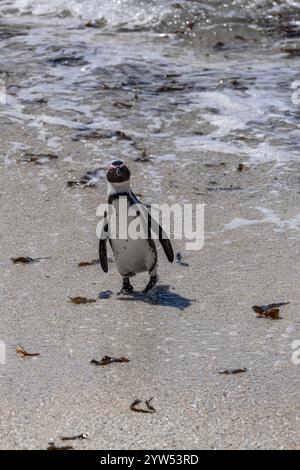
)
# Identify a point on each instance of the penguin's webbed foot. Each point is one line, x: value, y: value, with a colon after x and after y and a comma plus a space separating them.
x: 152, y: 282
x: 127, y: 288
x: 126, y: 291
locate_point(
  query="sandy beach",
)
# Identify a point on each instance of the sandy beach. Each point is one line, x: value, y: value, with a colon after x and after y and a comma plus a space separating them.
x: 198, y: 321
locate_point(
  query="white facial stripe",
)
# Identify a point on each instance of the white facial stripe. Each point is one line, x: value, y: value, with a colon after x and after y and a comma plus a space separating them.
x: 113, y: 167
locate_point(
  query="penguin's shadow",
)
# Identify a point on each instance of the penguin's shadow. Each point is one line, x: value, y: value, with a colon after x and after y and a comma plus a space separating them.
x: 160, y: 295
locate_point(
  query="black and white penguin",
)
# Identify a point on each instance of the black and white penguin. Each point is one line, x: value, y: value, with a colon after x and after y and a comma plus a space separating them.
x: 132, y: 255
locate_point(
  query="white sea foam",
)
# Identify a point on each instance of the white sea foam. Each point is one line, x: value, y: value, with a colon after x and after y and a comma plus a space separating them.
x: 258, y: 120
x: 114, y: 11
x: 270, y: 217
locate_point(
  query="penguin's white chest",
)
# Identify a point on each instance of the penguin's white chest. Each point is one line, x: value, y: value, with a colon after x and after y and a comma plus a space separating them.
x: 132, y: 255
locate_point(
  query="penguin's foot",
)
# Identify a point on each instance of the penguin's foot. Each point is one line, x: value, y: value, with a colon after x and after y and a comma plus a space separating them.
x: 152, y: 282
x: 126, y: 291
x: 127, y: 288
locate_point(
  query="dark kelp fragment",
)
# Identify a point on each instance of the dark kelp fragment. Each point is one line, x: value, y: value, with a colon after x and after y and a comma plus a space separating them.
x: 81, y: 264
x: 39, y: 101
x: 39, y: 159
x: 97, y: 135
x: 149, y: 408
x: 230, y: 188
x: 179, y: 260
x: 237, y: 85
x: 25, y: 260
x: 98, y: 23
x: 233, y: 371
x: 81, y: 436
x: 68, y: 60
x: 269, y: 311
x: 241, y: 167
x: 143, y: 159
x: 292, y: 51
x: 106, y: 294
x: 172, y: 75
x: 272, y: 313
x: 22, y: 259
x: 108, y: 360
x: 52, y: 446
x: 90, y: 179
x: 219, y: 45
x: 81, y: 300
x: 169, y: 88
x: 123, y: 104
x: 240, y: 38
x: 122, y: 135
x: 214, y: 164
x: 73, y: 183
x: 22, y: 353
x: 88, y: 135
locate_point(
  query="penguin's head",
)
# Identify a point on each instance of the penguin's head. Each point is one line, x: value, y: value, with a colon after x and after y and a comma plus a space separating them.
x: 117, y: 172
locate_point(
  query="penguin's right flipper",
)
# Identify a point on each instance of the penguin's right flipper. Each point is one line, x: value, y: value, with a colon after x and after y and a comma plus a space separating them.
x: 103, y: 247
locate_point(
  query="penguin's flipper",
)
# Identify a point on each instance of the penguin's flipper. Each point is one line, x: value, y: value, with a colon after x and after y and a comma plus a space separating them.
x: 102, y: 247
x: 162, y: 236
x: 157, y: 229
x: 166, y: 244
x: 103, y: 255
x: 137, y: 201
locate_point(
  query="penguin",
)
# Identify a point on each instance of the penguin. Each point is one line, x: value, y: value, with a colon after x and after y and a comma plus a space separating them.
x: 132, y: 255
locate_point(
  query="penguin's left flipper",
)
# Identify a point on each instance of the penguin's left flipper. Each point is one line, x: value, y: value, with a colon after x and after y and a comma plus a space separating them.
x: 137, y: 201
x: 162, y: 236
x: 103, y: 248
x: 156, y: 228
